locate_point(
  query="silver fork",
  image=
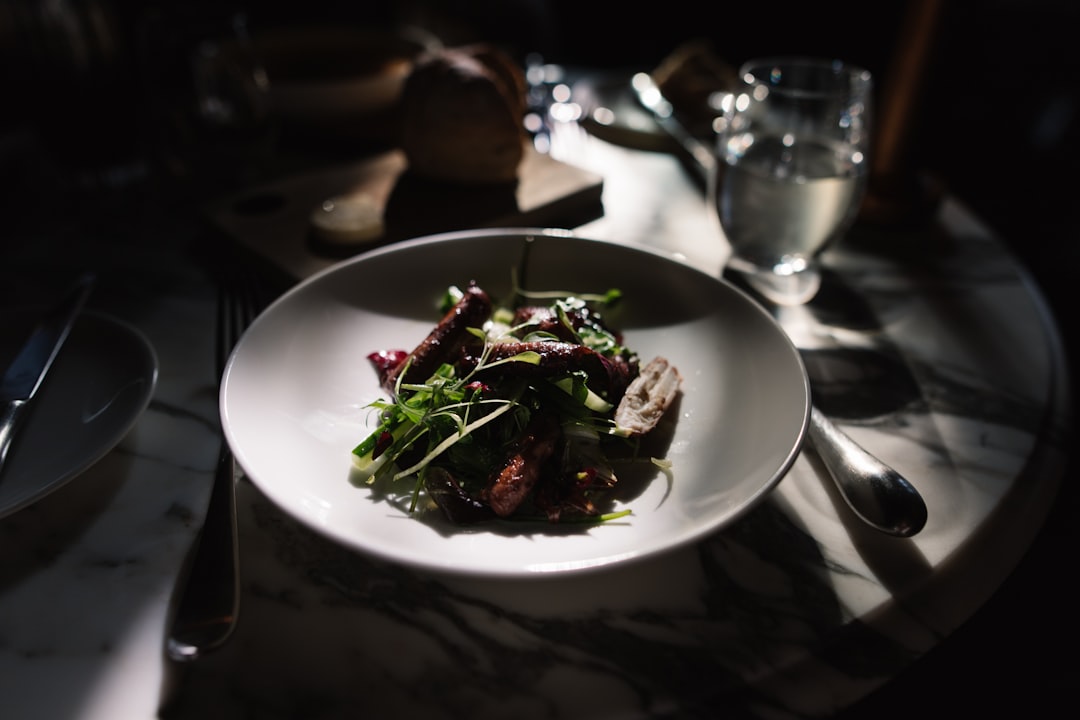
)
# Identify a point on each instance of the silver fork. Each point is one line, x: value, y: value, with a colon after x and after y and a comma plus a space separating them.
x: 209, y: 600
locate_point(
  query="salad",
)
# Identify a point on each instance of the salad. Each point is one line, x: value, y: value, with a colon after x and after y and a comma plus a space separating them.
x: 515, y: 411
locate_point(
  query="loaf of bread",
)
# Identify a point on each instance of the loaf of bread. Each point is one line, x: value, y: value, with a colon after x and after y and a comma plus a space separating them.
x: 462, y: 116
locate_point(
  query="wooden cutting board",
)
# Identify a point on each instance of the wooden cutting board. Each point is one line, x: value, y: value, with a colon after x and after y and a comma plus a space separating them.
x: 274, y: 221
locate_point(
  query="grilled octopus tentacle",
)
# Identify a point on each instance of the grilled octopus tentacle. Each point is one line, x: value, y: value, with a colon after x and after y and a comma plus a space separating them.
x: 609, y: 375
x: 445, y: 341
x: 512, y: 484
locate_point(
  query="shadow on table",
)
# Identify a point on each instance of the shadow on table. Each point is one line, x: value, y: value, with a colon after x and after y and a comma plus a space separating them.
x: 355, y: 636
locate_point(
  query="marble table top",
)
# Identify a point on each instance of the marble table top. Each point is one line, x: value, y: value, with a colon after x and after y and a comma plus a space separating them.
x: 929, y: 345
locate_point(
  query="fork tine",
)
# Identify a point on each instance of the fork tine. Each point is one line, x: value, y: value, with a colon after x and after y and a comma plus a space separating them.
x: 222, y: 337
x: 239, y: 303
x: 251, y: 303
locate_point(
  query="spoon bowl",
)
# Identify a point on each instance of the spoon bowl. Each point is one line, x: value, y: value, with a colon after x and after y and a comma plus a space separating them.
x: 875, y: 492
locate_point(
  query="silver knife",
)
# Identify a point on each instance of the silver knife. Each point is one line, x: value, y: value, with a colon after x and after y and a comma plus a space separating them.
x: 27, y: 372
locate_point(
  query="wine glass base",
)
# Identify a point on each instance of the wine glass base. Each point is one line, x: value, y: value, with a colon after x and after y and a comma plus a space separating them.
x: 791, y: 289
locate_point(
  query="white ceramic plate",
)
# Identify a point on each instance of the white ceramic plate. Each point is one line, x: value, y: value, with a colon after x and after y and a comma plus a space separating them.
x: 294, y: 395
x: 100, y: 383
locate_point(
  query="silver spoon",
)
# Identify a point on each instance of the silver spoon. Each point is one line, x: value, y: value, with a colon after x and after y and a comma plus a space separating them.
x: 879, y: 495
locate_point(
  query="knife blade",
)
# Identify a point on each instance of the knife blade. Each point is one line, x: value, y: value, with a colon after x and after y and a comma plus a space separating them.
x: 26, y: 374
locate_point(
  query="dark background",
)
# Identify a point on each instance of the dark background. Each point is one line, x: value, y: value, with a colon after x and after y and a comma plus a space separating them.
x: 995, y: 122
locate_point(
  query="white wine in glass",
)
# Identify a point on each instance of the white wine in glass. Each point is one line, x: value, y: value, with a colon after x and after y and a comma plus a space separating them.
x: 791, y: 170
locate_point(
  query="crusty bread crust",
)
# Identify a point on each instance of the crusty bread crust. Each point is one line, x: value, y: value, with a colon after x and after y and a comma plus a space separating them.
x: 462, y: 111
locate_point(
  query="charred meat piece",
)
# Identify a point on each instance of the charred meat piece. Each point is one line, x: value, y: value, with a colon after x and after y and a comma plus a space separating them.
x: 648, y: 397
x: 571, y: 492
x: 609, y: 376
x: 541, y: 319
x: 512, y: 484
x: 456, y: 504
x: 538, y: 318
x: 446, y: 340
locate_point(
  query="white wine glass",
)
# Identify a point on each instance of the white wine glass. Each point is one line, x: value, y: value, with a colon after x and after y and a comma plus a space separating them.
x: 791, y: 168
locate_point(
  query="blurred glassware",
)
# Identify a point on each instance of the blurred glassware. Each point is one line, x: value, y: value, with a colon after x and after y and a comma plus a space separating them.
x: 205, y: 116
x: 234, y: 96
x: 231, y: 85
x: 319, y: 87
x: 791, y: 170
